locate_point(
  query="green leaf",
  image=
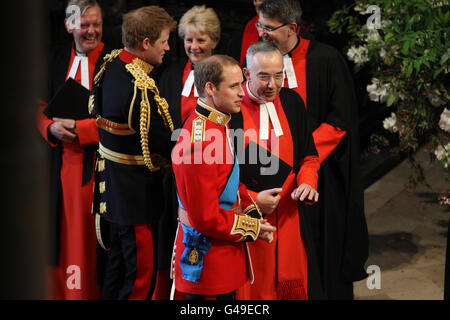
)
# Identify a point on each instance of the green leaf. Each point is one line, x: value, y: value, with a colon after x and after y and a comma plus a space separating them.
x: 391, y: 99
x: 445, y: 57
x: 417, y: 64
x: 437, y: 72
x: 405, y: 48
x: 410, y: 70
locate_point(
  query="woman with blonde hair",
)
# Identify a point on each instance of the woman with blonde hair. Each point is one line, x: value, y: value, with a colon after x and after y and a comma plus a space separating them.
x: 199, y: 28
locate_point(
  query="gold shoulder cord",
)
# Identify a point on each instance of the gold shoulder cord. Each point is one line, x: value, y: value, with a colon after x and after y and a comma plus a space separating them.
x: 144, y: 82
x: 106, y: 59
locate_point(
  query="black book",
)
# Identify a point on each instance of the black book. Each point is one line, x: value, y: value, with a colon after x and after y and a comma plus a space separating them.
x: 262, y: 170
x: 70, y: 102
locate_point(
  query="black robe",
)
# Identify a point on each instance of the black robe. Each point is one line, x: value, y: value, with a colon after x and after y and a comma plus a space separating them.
x: 337, y: 220
x: 170, y: 87
x: 447, y: 266
x: 58, y: 65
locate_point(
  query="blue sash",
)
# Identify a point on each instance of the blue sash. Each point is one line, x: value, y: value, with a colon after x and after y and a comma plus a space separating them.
x: 196, y: 244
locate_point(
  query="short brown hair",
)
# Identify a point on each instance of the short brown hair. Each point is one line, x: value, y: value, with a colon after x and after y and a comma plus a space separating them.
x: 211, y: 70
x: 145, y: 22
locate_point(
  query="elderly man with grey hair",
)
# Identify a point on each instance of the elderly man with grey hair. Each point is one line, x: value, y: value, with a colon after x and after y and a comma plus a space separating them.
x: 319, y: 73
x: 277, y: 118
x: 73, y: 255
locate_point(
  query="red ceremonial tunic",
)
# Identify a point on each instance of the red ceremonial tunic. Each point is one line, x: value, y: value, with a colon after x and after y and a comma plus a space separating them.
x: 326, y: 136
x: 75, y: 278
x: 200, y: 183
x: 280, y: 267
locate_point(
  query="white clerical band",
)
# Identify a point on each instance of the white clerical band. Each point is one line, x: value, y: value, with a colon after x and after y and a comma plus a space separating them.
x: 83, y: 61
x: 289, y: 71
x: 266, y: 111
x: 188, y: 86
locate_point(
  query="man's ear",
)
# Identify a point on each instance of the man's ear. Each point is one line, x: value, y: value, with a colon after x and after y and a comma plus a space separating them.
x: 292, y: 28
x: 210, y: 89
x: 146, y: 43
x: 247, y: 74
x: 66, y: 24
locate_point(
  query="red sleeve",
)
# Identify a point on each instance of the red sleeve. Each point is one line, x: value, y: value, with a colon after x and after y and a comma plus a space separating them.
x: 43, y: 122
x: 199, y: 194
x: 246, y: 196
x: 87, y: 132
x: 308, y: 172
x: 326, y: 138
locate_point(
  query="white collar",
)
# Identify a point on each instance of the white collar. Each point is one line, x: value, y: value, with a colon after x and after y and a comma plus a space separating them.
x: 266, y: 111
x: 289, y: 72
x: 187, y: 89
x: 83, y: 61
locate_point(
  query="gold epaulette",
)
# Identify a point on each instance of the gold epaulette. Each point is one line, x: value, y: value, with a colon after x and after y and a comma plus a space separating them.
x: 140, y: 69
x: 198, y: 129
x: 106, y: 59
x: 246, y: 226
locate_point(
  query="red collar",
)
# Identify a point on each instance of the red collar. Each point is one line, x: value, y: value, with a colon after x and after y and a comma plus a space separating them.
x: 126, y: 56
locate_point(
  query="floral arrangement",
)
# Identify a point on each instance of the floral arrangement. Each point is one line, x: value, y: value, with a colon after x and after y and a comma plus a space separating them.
x: 404, y: 46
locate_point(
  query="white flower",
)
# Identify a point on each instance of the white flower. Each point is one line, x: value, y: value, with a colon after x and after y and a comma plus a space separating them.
x: 358, y: 55
x: 438, y: 3
x: 444, y: 122
x: 373, y: 35
x: 443, y: 154
x: 385, y: 23
x: 379, y: 92
x: 390, y: 123
x: 361, y: 8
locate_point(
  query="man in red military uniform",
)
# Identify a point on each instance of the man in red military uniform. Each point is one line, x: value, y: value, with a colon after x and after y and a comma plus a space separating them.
x: 278, y: 118
x: 320, y: 75
x: 72, y: 272
x: 210, y: 254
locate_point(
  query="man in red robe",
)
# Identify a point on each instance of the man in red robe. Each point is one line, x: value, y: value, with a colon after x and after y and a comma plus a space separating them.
x: 320, y: 75
x: 72, y: 270
x: 277, y: 118
x: 210, y: 253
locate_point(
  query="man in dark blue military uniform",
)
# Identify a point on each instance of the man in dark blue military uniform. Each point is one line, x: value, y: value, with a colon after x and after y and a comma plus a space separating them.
x: 134, y: 151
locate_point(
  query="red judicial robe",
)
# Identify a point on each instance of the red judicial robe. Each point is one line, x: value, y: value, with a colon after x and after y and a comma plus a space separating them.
x: 74, y: 273
x: 337, y: 220
x: 281, y: 267
x: 200, y: 183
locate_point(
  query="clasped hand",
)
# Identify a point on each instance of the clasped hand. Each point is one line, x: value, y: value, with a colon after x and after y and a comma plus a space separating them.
x: 266, y: 231
x: 63, y: 129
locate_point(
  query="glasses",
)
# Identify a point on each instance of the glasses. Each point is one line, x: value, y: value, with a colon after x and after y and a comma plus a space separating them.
x: 267, y: 29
